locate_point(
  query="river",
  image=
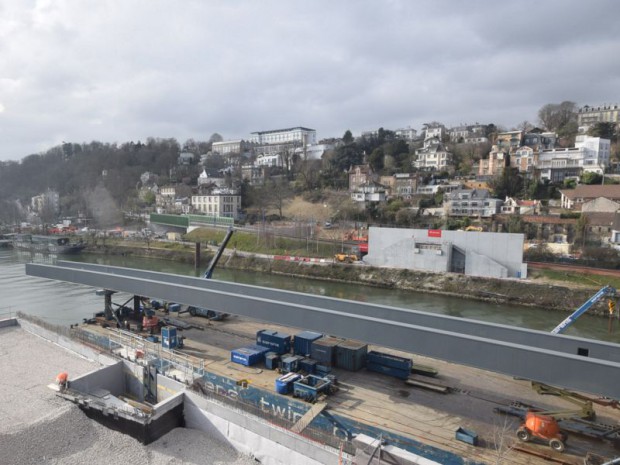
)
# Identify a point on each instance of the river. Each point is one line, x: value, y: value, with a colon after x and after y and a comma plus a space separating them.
x: 66, y: 303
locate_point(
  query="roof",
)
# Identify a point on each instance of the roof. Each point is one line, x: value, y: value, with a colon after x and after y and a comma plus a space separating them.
x: 283, y: 130
x: 600, y: 218
x: 583, y: 191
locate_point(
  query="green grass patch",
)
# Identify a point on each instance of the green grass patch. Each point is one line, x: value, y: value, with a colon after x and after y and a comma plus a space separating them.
x: 576, y: 278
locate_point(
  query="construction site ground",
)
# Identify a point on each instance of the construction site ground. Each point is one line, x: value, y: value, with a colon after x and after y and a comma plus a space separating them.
x: 428, y: 417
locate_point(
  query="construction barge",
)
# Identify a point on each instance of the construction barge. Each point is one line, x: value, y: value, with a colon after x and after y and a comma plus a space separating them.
x: 450, y: 421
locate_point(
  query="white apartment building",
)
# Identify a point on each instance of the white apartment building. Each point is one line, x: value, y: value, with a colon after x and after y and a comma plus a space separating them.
x: 433, y: 157
x: 434, y: 131
x: 301, y: 135
x: 590, y: 154
x: 50, y: 198
x: 219, y: 202
x: 471, y: 202
x: 523, y: 159
x: 269, y: 159
x: 407, y: 133
x: 589, y: 116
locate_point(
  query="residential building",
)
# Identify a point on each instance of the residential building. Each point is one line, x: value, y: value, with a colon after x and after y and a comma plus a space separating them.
x: 370, y: 191
x: 297, y: 135
x: 49, y: 198
x: 590, y: 154
x: 409, y: 134
x: 540, y: 141
x: 476, y: 139
x: 434, y: 188
x: 270, y: 159
x: 359, y: 175
x: 510, y: 140
x: 614, y: 238
x: 588, y: 116
x: 434, y: 131
x: 573, y: 199
x: 313, y: 152
x: 494, y: 165
x: 252, y: 173
x: 514, y: 206
x: 471, y: 203
x: 185, y: 158
x: 232, y: 147
x: 524, y: 159
x: 218, y: 202
x: 433, y: 156
x: 401, y: 185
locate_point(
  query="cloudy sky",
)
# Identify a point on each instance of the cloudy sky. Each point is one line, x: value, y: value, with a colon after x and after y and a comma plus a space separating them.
x: 123, y: 70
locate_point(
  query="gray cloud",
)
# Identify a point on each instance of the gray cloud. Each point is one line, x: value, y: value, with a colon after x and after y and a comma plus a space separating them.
x: 117, y: 71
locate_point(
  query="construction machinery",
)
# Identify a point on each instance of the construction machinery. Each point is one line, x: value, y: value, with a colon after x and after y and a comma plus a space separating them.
x: 605, y: 291
x: 200, y: 311
x: 543, y: 426
x: 345, y: 258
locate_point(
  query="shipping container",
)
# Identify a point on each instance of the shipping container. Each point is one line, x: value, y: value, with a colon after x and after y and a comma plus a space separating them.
x: 351, y: 355
x: 272, y: 360
x: 324, y: 350
x: 394, y: 361
x: 308, y: 365
x: 284, y: 384
x: 303, y: 342
x: 279, y: 343
x: 310, y: 387
x: 169, y: 338
x: 386, y: 370
x: 322, y: 370
x: 247, y: 356
x: 290, y: 363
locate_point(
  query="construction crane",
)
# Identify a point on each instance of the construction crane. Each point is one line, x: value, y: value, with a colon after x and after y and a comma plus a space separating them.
x: 199, y: 311
x: 605, y: 291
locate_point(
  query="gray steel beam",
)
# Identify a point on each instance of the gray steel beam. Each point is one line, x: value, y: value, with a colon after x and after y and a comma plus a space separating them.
x: 540, y: 339
x: 561, y: 369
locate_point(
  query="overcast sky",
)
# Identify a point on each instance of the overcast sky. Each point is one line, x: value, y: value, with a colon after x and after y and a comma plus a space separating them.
x: 125, y: 70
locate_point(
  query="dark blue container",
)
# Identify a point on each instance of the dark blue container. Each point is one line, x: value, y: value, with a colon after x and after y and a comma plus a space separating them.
x: 169, y: 338
x: 247, y: 356
x: 386, y: 370
x: 394, y: 361
x: 152, y: 339
x: 322, y: 370
x: 351, y: 355
x: 284, y: 384
x: 308, y: 365
x: 174, y: 307
x: 280, y: 343
x: 155, y: 304
x: 272, y: 360
x: 324, y: 350
x: 303, y: 342
x: 290, y: 363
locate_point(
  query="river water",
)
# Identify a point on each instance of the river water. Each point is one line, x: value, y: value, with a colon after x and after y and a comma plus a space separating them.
x: 66, y: 303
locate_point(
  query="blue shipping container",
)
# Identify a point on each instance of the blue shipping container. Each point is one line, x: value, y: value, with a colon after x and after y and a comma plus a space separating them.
x: 303, y: 342
x: 351, y: 355
x: 247, y: 356
x: 174, y: 307
x: 324, y: 350
x: 390, y: 360
x: 279, y: 343
x: 322, y: 370
x: 284, y: 384
x: 308, y: 365
x: 272, y: 360
x: 386, y: 370
x: 169, y: 339
x: 290, y: 363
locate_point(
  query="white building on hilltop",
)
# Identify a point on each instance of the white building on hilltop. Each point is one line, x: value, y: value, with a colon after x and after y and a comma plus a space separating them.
x: 299, y: 134
x: 590, y: 154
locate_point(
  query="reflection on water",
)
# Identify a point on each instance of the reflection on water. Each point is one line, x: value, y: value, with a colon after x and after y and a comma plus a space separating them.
x: 70, y: 303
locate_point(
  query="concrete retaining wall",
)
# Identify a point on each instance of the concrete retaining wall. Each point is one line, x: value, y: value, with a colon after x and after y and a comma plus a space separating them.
x: 67, y: 343
x: 268, y: 444
x: 8, y: 322
x: 109, y: 378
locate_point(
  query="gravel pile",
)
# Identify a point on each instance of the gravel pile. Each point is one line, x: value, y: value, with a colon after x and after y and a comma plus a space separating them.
x: 71, y: 438
x: 39, y: 428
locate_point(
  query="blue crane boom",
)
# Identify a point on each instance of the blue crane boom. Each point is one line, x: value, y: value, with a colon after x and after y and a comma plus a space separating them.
x: 607, y: 290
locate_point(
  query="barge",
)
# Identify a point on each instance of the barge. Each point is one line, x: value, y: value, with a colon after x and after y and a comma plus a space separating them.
x: 55, y: 245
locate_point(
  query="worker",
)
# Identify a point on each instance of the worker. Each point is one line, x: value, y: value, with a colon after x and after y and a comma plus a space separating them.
x: 62, y: 380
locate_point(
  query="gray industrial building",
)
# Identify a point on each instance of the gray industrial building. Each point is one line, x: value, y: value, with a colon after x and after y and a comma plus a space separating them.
x: 493, y: 255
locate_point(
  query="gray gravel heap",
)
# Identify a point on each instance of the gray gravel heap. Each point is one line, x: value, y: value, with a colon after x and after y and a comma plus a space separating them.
x: 70, y: 437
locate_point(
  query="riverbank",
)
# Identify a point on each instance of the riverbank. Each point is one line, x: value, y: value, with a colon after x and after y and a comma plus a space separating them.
x: 540, y: 293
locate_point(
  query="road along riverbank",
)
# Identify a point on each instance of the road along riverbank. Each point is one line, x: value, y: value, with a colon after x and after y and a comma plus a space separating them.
x: 527, y: 292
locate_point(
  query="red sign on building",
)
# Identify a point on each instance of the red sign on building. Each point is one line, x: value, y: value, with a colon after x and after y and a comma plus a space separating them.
x: 434, y: 233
